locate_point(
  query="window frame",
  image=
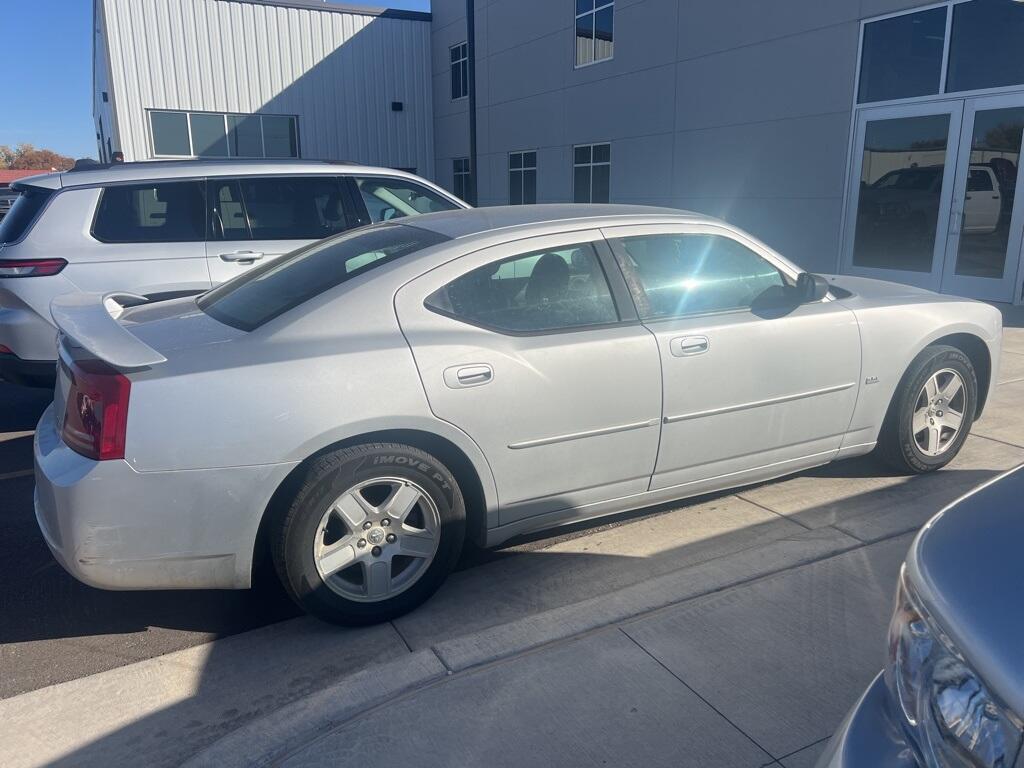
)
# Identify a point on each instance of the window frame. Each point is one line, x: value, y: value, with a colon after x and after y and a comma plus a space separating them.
x: 787, y: 269
x: 227, y: 135
x: 599, y: 5
x: 522, y: 175
x: 625, y: 307
x: 463, y: 63
x: 592, y: 165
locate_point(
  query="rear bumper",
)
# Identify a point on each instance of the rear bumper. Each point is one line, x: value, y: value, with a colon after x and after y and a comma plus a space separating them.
x: 25, y: 332
x: 112, y: 527
x: 869, y: 736
x: 29, y: 373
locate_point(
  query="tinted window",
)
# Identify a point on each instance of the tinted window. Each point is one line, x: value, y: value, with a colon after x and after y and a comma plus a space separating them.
x: 170, y: 212
x: 293, y: 208
x: 271, y: 289
x: 228, y: 219
x: 538, y: 291
x: 279, y: 136
x: 985, y: 45
x: 246, y: 135
x: 459, y: 55
x: 170, y: 133
x: 522, y: 178
x: 24, y: 211
x: 388, y: 199
x: 692, y: 274
x: 902, y: 56
x: 209, y: 137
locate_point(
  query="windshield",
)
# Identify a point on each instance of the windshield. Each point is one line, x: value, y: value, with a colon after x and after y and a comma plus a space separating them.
x: 29, y: 203
x: 263, y: 293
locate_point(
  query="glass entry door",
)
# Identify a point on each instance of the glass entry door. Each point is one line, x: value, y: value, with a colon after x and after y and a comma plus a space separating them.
x: 902, y: 190
x: 984, y: 244
x: 934, y: 196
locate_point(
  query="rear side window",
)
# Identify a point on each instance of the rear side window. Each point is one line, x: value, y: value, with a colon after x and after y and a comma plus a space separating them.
x: 388, y: 199
x: 164, y: 212
x: 271, y: 289
x: 24, y: 211
x: 537, y: 291
x: 279, y: 208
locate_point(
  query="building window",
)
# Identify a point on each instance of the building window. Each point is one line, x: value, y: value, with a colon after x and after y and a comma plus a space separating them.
x: 215, y: 134
x: 522, y: 178
x: 460, y: 70
x: 460, y: 177
x: 591, y: 173
x: 594, y: 34
x: 902, y: 56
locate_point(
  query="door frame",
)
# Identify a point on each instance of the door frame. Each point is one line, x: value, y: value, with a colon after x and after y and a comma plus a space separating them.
x: 985, y: 288
x: 931, y: 280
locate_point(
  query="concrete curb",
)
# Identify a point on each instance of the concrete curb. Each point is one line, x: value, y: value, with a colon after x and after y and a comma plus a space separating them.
x: 263, y: 741
x: 273, y: 737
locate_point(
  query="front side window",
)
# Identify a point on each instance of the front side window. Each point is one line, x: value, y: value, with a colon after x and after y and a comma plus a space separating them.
x: 216, y: 134
x: 271, y: 289
x: 388, y: 199
x: 902, y: 56
x: 544, y: 290
x: 459, y: 55
x: 522, y: 178
x: 592, y: 165
x: 689, y: 274
x: 594, y: 34
x: 460, y: 177
x: 161, y: 212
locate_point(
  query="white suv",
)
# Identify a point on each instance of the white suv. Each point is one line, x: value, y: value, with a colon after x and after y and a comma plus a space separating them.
x: 167, y: 229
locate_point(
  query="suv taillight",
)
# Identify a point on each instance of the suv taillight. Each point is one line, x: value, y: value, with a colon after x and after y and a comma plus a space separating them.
x: 31, y: 267
x: 96, y: 414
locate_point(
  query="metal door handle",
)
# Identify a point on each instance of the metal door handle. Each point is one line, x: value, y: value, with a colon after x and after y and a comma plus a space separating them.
x: 685, y: 346
x: 244, y: 257
x: 461, y: 376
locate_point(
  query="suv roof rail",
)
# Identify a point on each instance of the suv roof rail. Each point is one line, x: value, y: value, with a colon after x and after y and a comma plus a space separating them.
x: 92, y: 165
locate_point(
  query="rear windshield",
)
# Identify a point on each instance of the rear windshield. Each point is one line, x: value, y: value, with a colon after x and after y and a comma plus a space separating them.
x: 24, y: 211
x: 263, y: 293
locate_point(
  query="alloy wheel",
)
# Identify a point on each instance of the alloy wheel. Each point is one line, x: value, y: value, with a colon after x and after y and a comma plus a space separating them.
x: 939, y: 412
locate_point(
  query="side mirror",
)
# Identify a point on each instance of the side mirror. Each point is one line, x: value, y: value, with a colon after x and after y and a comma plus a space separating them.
x: 811, y: 288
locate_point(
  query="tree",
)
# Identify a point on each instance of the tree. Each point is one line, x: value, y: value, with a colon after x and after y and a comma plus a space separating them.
x: 26, y: 157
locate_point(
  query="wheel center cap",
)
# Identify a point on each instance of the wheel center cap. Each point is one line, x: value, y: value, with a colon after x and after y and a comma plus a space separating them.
x: 375, y: 536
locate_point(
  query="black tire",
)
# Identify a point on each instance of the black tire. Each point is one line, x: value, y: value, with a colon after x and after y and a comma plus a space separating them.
x: 328, y: 478
x: 897, y: 445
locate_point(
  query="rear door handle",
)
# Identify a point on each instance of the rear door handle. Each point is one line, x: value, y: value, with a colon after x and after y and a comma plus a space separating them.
x: 462, y: 376
x: 685, y: 346
x: 243, y: 257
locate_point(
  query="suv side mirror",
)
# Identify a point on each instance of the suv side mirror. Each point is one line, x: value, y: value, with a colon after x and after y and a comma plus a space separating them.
x: 811, y: 288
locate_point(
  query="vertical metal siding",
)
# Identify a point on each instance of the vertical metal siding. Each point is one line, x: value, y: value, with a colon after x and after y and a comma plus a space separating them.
x: 339, y: 72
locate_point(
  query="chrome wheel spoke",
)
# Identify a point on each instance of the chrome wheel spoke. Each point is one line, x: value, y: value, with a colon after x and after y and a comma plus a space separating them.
x: 932, y: 439
x: 952, y: 388
x: 337, y: 556
x: 353, y: 509
x: 931, y: 387
x: 952, y: 419
x: 416, y: 543
x: 378, y: 579
x: 402, y: 501
x: 920, y: 421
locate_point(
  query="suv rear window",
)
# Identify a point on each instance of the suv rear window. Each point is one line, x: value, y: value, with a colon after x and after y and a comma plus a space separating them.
x: 271, y: 289
x: 24, y: 211
x: 164, y: 212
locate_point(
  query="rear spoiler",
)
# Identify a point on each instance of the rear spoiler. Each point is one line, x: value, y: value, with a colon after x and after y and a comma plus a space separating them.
x: 87, y: 318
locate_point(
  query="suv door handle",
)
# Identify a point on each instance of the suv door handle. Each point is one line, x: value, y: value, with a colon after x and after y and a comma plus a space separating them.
x: 243, y: 257
x: 462, y: 376
x: 685, y: 346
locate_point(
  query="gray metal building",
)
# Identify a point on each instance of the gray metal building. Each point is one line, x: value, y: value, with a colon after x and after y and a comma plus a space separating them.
x: 252, y: 78
x: 876, y: 137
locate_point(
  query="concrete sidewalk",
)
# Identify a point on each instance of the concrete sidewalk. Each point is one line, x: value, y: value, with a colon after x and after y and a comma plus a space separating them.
x: 731, y: 631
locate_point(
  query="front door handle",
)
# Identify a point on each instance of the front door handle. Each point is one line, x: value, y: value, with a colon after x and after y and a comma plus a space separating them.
x: 685, y: 346
x: 462, y: 376
x: 242, y: 257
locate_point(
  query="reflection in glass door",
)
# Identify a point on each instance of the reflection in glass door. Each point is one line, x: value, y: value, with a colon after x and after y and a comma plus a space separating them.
x: 899, y: 208
x: 984, y: 244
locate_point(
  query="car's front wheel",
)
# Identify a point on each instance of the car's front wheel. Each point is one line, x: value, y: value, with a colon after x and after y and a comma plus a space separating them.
x: 932, y: 411
x: 372, y: 533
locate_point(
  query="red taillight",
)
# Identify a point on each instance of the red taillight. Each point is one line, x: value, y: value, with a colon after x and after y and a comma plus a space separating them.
x: 31, y: 267
x: 96, y: 414
x: 5, y: 350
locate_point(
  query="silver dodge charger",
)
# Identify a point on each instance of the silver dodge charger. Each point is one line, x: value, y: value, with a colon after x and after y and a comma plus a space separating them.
x: 359, y: 408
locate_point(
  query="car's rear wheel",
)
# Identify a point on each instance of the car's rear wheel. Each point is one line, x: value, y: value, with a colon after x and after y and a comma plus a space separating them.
x: 932, y: 411
x: 371, y: 534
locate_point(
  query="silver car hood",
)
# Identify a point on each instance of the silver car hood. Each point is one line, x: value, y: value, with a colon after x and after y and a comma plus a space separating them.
x: 967, y: 566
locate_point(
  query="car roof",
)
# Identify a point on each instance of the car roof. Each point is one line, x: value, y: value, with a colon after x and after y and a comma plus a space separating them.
x: 465, y: 223
x: 106, y: 173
